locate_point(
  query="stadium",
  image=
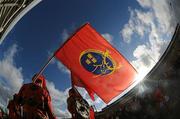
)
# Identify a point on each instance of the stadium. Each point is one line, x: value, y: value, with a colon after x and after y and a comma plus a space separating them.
x: 156, y: 96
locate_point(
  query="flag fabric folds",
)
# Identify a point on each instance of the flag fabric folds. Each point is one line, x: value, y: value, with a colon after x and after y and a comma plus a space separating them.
x: 97, y: 64
x: 77, y: 82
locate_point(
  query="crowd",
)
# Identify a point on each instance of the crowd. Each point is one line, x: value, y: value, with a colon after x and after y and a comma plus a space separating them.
x: 158, y: 104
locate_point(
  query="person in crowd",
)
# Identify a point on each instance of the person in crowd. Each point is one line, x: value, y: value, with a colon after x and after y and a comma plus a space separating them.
x: 32, y: 102
x: 78, y: 107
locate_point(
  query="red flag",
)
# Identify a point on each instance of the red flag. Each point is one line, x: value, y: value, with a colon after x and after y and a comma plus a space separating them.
x: 76, y: 81
x: 97, y: 64
x: 92, y: 115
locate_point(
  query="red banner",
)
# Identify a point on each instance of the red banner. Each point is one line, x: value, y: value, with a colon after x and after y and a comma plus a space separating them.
x: 97, y: 64
x: 77, y: 82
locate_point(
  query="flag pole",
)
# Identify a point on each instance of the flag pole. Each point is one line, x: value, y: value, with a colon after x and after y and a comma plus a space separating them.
x: 72, y: 85
x: 43, y: 68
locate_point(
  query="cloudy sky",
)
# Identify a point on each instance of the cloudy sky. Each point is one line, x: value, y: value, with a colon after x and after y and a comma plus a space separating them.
x: 139, y: 29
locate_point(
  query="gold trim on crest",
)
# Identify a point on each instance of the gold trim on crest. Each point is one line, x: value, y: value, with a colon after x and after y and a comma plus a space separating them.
x: 104, y: 55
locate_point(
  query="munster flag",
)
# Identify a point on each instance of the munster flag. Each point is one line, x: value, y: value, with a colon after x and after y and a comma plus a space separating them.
x: 97, y: 64
x: 77, y: 82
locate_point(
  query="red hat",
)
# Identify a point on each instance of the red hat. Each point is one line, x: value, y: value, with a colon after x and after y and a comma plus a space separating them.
x: 40, y: 77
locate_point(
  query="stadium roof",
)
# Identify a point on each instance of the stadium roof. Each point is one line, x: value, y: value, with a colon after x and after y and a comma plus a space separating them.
x: 11, y: 11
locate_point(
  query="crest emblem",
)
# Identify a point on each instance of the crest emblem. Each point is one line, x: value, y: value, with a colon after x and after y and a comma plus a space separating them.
x: 97, y: 62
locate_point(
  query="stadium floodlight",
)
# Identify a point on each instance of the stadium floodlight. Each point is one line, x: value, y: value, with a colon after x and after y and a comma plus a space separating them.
x: 11, y: 11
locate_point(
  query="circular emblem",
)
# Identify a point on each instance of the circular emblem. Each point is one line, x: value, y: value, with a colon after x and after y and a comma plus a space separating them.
x: 97, y: 62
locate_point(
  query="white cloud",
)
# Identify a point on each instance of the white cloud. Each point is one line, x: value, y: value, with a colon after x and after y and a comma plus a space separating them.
x: 127, y: 33
x: 145, y: 3
x: 11, y: 77
x: 162, y: 12
x: 62, y: 114
x: 157, y: 23
x: 62, y: 68
x: 58, y: 100
x: 137, y: 23
x: 166, y: 13
x: 108, y: 37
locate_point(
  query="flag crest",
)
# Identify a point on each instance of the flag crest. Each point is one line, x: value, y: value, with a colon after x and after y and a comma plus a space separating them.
x: 97, y: 62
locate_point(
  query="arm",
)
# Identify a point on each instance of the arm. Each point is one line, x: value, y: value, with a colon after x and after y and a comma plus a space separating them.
x: 48, y: 107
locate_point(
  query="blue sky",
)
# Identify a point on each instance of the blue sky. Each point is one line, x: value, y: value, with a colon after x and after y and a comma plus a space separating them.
x: 40, y: 31
x: 137, y: 28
